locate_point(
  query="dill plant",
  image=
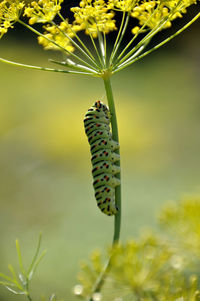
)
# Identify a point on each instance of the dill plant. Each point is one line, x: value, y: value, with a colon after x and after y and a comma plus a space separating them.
x: 96, y: 18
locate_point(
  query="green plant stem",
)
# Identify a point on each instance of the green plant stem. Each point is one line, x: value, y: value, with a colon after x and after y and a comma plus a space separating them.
x: 122, y: 30
x: 115, y: 136
x: 117, y: 222
x: 29, y: 298
x: 75, y: 44
x: 80, y: 41
x: 43, y: 68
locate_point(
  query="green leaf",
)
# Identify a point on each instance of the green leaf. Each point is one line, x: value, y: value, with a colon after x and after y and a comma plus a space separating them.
x: 16, y: 292
x: 36, y: 265
x: 20, y: 258
x: 6, y: 277
x: 11, y: 269
x: 8, y: 283
x: 53, y: 297
x: 35, y: 256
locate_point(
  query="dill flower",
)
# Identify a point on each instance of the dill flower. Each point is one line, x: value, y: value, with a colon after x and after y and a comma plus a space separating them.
x: 9, y: 14
x: 42, y: 11
x: 97, y: 19
x: 148, y: 269
x: 182, y: 219
x: 94, y: 16
x: 121, y: 5
x: 150, y: 15
x: 152, y: 267
x: 59, y: 34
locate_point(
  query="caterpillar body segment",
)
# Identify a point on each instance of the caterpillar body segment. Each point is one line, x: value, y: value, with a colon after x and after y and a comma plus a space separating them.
x: 104, y: 192
x: 96, y: 119
x: 95, y: 111
x: 96, y: 126
x: 104, y: 144
x: 105, y: 166
x: 96, y: 135
x: 104, y: 158
x: 106, y: 200
x: 105, y: 154
x: 108, y: 207
x: 105, y: 179
x: 99, y: 105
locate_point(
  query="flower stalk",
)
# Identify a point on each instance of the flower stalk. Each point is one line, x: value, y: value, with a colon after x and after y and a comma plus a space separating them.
x: 115, y: 136
x: 117, y: 218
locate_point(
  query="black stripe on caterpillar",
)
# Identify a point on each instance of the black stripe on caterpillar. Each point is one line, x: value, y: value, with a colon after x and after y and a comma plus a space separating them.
x: 102, y: 147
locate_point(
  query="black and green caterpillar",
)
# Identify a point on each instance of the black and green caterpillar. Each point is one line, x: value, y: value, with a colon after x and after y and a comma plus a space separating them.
x: 102, y: 147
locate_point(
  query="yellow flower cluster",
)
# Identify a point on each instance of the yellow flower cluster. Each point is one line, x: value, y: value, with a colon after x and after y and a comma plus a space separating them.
x: 42, y: 11
x: 154, y: 267
x: 182, y: 219
x: 122, y: 5
x: 153, y: 14
x: 59, y: 34
x: 9, y: 13
x: 93, y: 16
x: 178, y: 3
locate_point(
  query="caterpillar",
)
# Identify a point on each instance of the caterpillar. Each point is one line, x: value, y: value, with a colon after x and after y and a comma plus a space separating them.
x: 104, y: 157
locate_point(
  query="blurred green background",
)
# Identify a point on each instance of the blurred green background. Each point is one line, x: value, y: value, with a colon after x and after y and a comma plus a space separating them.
x: 45, y: 179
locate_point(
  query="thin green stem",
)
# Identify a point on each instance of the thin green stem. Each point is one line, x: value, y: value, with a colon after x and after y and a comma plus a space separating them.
x: 70, y: 64
x: 76, y: 45
x: 115, y: 136
x: 124, y: 65
x: 80, y: 41
x: 149, y: 36
x: 119, y: 38
x: 35, y: 256
x: 20, y: 258
x: 134, y: 54
x: 105, y: 47
x: 29, y: 297
x: 43, y: 68
x: 100, y: 281
x: 102, y: 47
x: 62, y: 48
x: 117, y: 222
x: 93, y: 43
x: 4, y: 283
x: 144, y: 41
x: 95, y: 48
x: 136, y: 35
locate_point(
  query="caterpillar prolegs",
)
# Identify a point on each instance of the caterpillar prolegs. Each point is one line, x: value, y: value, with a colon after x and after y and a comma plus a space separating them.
x: 102, y: 147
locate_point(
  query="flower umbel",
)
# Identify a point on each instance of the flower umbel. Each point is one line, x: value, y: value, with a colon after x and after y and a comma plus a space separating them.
x: 94, y: 16
x: 153, y: 267
x: 97, y: 19
x: 59, y: 34
x: 10, y: 12
x: 42, y: 11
